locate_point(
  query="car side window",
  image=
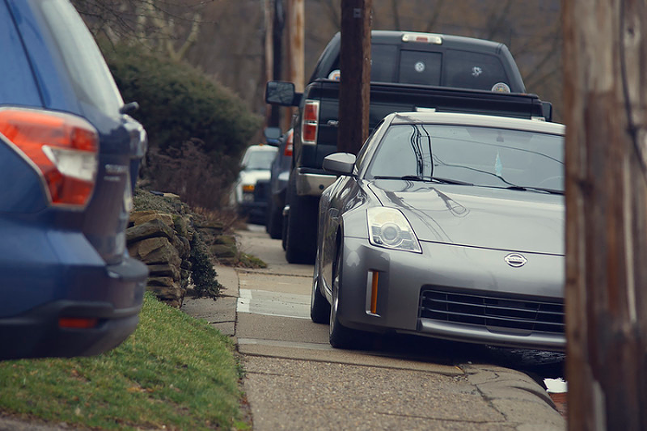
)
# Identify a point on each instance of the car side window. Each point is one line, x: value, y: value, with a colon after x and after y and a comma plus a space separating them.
x: 395, y: 156
x: 361, y: 155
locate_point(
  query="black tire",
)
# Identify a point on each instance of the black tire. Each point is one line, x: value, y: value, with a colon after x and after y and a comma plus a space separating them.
x: 284, y: 233
x: 301, y: 235
x: 319, y: 306
x: 274, y: 225
x: 340, y: 337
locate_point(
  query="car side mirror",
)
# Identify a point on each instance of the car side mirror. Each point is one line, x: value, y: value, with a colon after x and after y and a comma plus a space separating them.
x: 547, y: 109
x: 339, y: 163
x: 281, y: 93
x: 272, y: 135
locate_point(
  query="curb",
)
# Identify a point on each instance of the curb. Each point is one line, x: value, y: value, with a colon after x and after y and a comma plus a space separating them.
x: 517, y: 397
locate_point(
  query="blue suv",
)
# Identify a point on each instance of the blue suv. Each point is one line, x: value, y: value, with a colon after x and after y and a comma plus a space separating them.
x: 69, y: 154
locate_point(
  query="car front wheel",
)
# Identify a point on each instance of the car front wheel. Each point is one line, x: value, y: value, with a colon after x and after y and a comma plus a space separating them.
x: 339, y: 336
x: 319, y: 306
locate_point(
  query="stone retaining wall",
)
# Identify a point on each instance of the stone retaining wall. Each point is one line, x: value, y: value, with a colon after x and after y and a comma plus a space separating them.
x: 163, y: 242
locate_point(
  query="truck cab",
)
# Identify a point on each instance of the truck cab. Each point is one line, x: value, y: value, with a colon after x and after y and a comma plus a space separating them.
x: 431, y: 59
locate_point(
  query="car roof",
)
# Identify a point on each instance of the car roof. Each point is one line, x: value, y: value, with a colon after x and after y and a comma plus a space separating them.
x: 449, y: 40
x: 261, y: 148
x: 531, y: 125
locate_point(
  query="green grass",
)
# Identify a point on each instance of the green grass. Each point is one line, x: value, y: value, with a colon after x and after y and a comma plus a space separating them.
x: 174, y: 372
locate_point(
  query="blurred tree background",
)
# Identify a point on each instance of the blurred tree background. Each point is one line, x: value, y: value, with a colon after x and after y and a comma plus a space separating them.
x: 197, y: 67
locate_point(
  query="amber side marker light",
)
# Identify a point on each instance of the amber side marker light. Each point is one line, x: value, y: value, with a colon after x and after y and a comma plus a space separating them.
x: 374, y: 281
x: 77, y: 323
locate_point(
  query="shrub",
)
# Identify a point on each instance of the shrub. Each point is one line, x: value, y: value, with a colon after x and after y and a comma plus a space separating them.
x: 202, y: 272
x: 179, y: 104
x: 188, y: 172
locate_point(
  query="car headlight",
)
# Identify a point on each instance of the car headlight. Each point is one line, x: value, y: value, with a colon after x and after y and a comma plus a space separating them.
x: 388, y: 228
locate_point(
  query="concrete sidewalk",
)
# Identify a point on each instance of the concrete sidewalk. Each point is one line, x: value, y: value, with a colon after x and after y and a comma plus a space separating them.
x: 298, y: 386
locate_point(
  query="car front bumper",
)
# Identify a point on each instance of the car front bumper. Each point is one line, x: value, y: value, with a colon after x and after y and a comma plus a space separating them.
x: 456, y: 293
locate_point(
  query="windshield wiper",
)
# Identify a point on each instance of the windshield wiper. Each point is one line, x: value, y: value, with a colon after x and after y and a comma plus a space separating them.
x: 451, y: 181
x: 425, y: 180
x: 536, y: 189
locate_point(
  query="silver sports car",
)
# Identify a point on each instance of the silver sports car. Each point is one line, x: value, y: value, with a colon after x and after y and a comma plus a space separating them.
x: 449, y: 226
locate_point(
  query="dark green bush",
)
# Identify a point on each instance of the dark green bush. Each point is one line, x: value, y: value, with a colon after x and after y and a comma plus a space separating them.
x: 179, y: 103
x: 202, y: 272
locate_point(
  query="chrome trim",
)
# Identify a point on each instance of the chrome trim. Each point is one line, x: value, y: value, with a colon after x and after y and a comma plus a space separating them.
x: 515, y: 260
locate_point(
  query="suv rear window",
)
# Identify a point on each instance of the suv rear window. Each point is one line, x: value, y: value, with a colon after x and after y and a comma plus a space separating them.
x: 91, y: 78
x: 17, y: 85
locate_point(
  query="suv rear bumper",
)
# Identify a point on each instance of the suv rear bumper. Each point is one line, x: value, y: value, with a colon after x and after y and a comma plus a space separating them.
x: 111, y: 294
x: 312, y: 182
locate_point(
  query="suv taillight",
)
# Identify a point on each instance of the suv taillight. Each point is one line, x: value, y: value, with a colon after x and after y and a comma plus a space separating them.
x: 287, y: 152
x: 62, y: 148
x: 310, y: 122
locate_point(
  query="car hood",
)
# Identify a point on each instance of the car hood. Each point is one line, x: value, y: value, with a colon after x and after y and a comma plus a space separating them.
x: 514, y: 220
x: 252, y: 176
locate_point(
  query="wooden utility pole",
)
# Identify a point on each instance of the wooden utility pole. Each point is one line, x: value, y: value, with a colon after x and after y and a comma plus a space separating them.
x: 278, y: 23
x: 274, y: 23
x: 605, y: 67
x: 296, y: 54
x: 355, y: 67
x: 268, y: 16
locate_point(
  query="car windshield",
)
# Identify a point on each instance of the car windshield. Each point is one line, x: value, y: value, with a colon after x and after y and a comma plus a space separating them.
x: 259, y: 160
x: 481, y: 156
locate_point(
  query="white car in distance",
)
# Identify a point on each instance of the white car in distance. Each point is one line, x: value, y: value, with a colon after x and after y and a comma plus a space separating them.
x: 251, y: 191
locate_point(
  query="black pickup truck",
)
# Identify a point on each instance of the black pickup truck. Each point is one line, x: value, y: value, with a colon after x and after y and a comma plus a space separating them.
x: 409, y: 72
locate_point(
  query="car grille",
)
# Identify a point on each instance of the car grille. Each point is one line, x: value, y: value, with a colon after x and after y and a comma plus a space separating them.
x: 509, y: 313
x: 262, y: 191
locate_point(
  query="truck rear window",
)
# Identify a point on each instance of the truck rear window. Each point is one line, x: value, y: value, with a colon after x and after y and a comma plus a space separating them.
x: 464, y: 69
x: 420, y: 67
x: 451, y: 68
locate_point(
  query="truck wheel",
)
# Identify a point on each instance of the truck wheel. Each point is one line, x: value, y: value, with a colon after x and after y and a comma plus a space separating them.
x: 284, y: 233
x: 274, y: 225
x: 301, y: 239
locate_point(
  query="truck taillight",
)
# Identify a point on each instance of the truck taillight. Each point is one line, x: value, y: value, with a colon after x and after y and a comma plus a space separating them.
x: 310, y: 122
x: 287, y: 152
x: 62, y: 148
x: 430, y: 38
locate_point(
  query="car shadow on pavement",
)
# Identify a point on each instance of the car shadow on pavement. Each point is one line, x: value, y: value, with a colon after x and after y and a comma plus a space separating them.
x: 537, y: 364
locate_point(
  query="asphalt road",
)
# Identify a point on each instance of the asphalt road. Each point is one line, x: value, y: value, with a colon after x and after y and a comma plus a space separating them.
x: 295, y: 380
